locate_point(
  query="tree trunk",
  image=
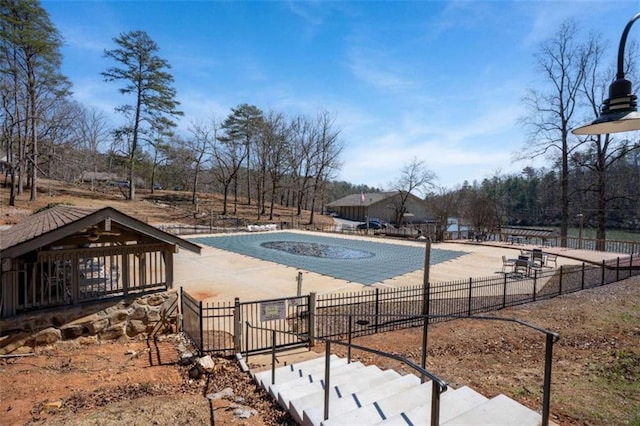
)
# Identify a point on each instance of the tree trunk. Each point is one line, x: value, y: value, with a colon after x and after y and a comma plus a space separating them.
x: 564, y: 184
x: 12, y: 193
x: 33, y: 119
x: 225, y: 196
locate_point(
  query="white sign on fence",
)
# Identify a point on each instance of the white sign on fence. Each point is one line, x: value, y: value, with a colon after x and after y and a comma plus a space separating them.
x: 270, y: 311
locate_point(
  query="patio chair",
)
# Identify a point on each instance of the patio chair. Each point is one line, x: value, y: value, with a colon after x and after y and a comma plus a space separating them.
x: 537, y: 257
x: 551, y: 258
x: 508, y: 263
x: 522, y: 264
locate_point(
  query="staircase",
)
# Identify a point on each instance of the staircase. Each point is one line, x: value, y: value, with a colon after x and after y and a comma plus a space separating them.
x: 365, y: 395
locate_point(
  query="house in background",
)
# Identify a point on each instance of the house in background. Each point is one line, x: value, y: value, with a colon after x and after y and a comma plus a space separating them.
x: 456, y: 230
x: 380, y: 205
x: 98, y: 177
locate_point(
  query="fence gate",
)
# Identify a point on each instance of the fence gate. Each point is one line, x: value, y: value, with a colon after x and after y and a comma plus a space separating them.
x: 289, y: 314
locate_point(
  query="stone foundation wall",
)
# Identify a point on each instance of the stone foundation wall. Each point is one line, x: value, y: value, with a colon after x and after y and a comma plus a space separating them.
x: 144, y: 315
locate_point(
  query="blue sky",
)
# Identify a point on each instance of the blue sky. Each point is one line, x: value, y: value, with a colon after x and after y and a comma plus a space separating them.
x: 439, y: 81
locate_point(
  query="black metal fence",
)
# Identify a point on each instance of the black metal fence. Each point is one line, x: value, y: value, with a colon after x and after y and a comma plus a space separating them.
x: 218, y: 327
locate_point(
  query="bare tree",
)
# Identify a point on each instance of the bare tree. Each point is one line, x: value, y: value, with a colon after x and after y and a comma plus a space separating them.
x: 602, y: 152
x: 92, y: 133
x: 228, y: 155
x: 415, y: 178
x: 301, y: 159
x: 562, y: 61
x: 276, y: 130
x: 443, y: 205
x: 200, y: 144
x: 326, y: 155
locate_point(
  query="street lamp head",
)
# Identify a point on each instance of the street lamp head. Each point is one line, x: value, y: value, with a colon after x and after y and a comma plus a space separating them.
x: 619, y: 112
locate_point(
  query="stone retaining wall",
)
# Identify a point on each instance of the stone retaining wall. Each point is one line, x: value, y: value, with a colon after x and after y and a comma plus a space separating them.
x: 144, y: 315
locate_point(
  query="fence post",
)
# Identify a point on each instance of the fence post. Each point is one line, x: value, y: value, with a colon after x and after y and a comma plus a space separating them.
x: 327, y: 378
x: 470, y: 289
x: 618, y: 268
x: 181, y: 315
x: 535, y: 282
x: 201, y: 315
x: 237, y: 327
x: 312, y: 319
x: 603, y: 266
x: 246, y: 341
x: 546, y: 389
x: 349, y: 339
x: 504, y: 292
x: 560, y: 283
x: 377, y: 309
x: 630, y: 263
x: 582, y: 282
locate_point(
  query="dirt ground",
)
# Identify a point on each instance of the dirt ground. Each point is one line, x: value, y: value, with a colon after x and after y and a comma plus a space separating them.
x: 127, y: 382
x: 595, y: 379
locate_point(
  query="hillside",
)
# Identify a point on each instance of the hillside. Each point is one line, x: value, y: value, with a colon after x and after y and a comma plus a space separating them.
x: 159, y: 207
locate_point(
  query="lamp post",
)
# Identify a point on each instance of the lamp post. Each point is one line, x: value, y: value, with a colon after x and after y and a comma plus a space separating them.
x: 618, y: 113
x: 581, y: 218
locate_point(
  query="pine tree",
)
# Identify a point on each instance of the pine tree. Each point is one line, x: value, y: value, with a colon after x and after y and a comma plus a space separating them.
x: 145, y: 76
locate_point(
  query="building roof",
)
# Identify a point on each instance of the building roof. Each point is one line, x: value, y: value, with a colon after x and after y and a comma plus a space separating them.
x: 356, y: 199
x: 529, y: 232
x: 101, y: 176
x: 40, y: 223
x: 50, y: 225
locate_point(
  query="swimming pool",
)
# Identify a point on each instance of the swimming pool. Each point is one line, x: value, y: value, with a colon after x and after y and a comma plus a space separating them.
x: 362, y: 261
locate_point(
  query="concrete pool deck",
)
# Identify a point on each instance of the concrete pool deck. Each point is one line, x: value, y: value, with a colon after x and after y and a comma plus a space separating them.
x: 220, y: 275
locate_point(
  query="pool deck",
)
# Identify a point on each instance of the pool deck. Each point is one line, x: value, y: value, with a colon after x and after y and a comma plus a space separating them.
x: 219, y: 275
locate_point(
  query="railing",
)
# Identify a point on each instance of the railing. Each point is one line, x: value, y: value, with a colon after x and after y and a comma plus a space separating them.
x: 438, y: 385
x: 551, y: 338
x: 222, y: 322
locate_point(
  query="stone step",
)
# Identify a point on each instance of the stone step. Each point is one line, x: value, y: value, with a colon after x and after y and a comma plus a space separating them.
x: 314, y: 416
x: 384, y: 408
x: 498, y: 411
x: 361, y: 395
x: 364, y: 380
x: 290, y: 371
x: 452, y: 404
x: 314, y: 382
x: 313, y: 373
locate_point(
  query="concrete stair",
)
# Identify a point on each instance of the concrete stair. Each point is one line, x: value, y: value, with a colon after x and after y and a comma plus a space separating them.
x: 361, y: 395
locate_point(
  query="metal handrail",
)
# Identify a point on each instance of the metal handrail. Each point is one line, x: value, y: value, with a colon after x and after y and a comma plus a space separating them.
x: 551, y: 338
x: 438, y: 385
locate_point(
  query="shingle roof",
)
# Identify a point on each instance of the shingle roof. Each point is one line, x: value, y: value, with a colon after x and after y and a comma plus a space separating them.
x: 41, y: 223
x: 57, y: 222
x: 356, y: 199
